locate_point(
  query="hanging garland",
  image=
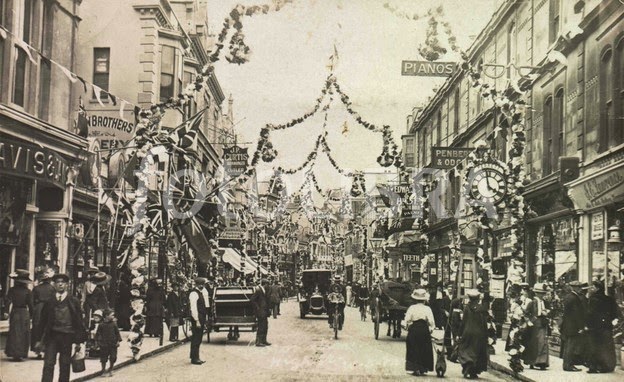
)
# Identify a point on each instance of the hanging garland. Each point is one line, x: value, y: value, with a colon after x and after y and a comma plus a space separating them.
x: 239, y: 52
x: 403, y: 14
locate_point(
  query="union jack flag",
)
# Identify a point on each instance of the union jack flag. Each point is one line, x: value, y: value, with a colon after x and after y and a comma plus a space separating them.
x: 185, y: 135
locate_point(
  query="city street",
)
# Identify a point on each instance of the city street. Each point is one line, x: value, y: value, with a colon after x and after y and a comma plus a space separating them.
x: 301, y: 350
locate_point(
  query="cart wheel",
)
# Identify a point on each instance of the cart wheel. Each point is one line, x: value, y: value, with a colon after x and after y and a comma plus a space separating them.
x: 186, y: 327
x: 377, y: 318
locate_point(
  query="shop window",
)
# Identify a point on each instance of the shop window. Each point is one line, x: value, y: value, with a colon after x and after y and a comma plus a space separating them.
x: 50, y: 199
x: 409, y: 152
x: 456, y: 113
x: 22, y: 64
x: 190, y: 107
x: 557, y: 130
x: 48, y: 243
x: 167, y: 73
x: 438, y: 138
x: 101, y: 70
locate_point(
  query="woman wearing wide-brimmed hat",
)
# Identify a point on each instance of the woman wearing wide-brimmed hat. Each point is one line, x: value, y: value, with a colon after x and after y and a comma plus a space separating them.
x: 473, y: 343
x: 96, y: 300
x: 155, y: 308
x: 536, y: 352
x: 603, y: 312
x: 420, y: 323
x: 43, y: 292
x: 20, y: 311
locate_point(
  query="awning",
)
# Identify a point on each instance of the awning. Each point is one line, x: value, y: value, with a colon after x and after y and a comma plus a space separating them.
x: 232, y: 257
x: 262, y: 269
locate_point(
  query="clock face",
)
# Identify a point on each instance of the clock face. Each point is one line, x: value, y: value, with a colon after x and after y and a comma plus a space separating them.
x: 488, y: 183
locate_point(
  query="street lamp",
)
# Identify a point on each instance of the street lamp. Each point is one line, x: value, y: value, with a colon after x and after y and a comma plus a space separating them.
x: 614, y: 243
x: 375, y: 244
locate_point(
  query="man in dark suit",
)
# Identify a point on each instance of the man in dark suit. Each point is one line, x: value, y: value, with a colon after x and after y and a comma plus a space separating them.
x: 337, y: 287
x: 198, y: 318
x: 274, y: 298
x: 260, y: 301
x: 63, y: 326
x: 572, y: 327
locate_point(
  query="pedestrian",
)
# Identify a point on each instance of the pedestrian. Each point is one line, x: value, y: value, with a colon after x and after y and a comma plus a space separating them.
x: 64, y: 326
x: 20, y: 310
x: 108, y: 338
x: 43, y: 292
x: 437, y: 295
x: 85, y: 292
x: 572, y: 328
x: 198, y: 318
x: 516, y: 316
x: 207, y: 295
x: 173, y: 313
x: 536, y: 315
x: 603, y: 313
x: 123, y: 310
x: 260, y: 301
x: 420, y: 323
x: 349, y: 294
x: 96, y: 299
x: 154, y: 308
x: 473, y: 342
x: 274, y: 298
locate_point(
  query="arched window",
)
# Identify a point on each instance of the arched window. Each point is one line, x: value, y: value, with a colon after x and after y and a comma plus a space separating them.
x: 547, y: 138
x: 607, y: 127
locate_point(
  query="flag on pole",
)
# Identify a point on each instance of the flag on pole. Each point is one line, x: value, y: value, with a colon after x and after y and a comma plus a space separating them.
x: 196, y: 239
x: 185, y: 135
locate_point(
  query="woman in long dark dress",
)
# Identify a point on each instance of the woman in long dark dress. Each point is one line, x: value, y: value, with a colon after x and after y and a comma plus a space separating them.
x: 123, y: 309
x: 473, y: 344
x: 602, y: 311
x: 20, y: 311
x: 536, y: 352
x: 174, y: 313
x: 155, y: 308
x: 420, y: 323
x: 43, y: 292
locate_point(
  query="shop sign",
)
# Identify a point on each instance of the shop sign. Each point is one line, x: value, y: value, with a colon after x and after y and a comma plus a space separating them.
x: 410, y: 258
x: 497, y: 288
x: 232, y: 234
x: 109, y: 131
x: 564, y: 232
x: 30, y: 161
x: 598, y: 191
x: 428, y: 68
x: 235, y: 160
x: 448, y: 157
x: 597, y: 226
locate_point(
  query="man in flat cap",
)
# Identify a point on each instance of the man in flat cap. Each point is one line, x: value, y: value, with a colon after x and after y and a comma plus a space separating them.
x: 64, y: 326
x: 198, y: 318
x: 260, y: 301
x: 572, y: 336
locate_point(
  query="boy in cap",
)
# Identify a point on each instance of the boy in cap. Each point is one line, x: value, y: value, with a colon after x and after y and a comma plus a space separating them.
x: 108, y: 338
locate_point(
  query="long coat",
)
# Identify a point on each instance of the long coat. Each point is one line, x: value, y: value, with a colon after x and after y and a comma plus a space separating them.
x: 41, y: 294
x: 18, y: 339
x: 95, y: 301
x: 155, y: 310
x: 574, y: 315
x: 260, y: 302
x: 473, y: 354
x: 536, y: 344
x: 174, y: 309
x: 602, y: 311
x: 274, y: 294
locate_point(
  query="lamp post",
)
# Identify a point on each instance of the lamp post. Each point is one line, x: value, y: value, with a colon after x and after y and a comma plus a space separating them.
x: 375, y: 244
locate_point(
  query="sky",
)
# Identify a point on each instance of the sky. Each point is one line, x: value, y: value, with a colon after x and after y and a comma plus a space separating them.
x: 290, y: 51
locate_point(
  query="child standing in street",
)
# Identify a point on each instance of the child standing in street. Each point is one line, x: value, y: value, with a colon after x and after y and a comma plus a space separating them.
x: 108, y: 338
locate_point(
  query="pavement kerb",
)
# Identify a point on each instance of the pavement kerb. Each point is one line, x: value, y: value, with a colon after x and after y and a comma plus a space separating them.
x: 132, y: 361
x: 507, y: 370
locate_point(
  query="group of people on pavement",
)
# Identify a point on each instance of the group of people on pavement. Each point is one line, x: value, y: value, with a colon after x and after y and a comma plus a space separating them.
x: 466, y: 325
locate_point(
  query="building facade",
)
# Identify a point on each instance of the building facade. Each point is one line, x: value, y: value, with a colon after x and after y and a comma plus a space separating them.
x: 572, y: 51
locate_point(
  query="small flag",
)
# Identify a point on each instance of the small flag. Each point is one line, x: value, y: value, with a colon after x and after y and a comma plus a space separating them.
x: 113, y: 99
x: 84, y: 83
x: 46, y: 61
x: 98, y: 93
x: 3, y: 33
x: 128, y: 172
x: 345, y: 128
x: 106, y: 200
x: 70, y: 75
x: 121, y: 109
x: 26, y: 48
x: 185, y: 135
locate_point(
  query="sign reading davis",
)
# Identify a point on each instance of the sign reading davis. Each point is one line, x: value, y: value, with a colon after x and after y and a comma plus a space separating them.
x: 27, y: 160
x: 428, y: 69
x: 235, y: 160
x: 448, y: 157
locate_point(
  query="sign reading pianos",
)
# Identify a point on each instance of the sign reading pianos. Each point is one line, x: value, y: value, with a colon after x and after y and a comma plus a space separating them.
x: 235, y: 160
x: 428, y: 68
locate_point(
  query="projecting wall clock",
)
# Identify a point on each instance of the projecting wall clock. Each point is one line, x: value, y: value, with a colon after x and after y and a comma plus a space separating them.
x: 488, y: 183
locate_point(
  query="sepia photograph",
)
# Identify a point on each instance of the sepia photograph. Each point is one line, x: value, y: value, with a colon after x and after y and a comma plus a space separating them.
x: 311, y: 190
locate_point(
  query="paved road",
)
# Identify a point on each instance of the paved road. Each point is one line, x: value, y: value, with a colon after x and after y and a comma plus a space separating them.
x: 302, y: 350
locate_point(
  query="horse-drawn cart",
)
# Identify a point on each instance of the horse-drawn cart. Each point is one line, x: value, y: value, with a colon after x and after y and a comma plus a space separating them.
x: 233, y: 311
x: 389, y: 304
